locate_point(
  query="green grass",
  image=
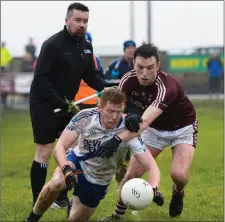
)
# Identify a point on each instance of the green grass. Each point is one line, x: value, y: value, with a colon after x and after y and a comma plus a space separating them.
x: 204, y: 192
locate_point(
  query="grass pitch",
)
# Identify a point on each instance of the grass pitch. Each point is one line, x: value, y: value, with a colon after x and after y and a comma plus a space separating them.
x: 204, y: 193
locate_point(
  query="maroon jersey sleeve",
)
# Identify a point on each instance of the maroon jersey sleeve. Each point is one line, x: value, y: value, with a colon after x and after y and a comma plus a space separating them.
x: 124, y: 86
x: 125, y: 82
x: 166, y: 92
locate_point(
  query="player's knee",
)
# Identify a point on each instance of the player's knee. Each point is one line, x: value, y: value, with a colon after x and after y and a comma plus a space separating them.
x: 130, y: 175
x: 57, y: 184
x: 43, y: 152
x: 45, y: 157
x: 179, y: 175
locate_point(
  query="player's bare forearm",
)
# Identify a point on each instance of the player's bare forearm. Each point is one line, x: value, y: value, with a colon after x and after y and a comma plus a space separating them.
x: 60, y: 155
x: 154, y: 176
x: 150, y: 114
x: 149, y: 163
x: 66, y: 140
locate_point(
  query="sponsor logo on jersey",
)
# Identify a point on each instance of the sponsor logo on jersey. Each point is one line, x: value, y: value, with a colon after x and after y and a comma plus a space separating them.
x: 92, y: 145
x: 94, y: 132
x: 71, y: 128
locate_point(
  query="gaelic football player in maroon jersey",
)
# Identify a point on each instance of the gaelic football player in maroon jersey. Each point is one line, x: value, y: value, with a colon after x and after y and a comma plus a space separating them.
x: 160, y: 110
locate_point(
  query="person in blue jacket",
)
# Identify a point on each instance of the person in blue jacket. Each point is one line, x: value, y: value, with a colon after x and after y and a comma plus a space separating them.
x: 215, y: 69
x: 120, y: 66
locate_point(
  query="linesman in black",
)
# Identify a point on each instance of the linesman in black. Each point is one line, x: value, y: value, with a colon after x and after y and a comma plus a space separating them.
x: 65, y: 58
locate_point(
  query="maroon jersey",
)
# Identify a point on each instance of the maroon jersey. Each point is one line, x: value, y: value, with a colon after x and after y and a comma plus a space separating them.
x: 166, y: 93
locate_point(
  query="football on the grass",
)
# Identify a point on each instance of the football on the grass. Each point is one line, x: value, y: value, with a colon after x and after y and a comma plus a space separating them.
x: 137, y: 194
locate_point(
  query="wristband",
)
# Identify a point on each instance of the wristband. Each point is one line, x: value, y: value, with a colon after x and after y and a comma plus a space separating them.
x: 118, y: 139
x: 155, y: 189
x: 65, y: 167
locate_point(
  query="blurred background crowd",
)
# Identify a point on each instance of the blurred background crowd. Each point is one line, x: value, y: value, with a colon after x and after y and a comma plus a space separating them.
x: 199, y: 69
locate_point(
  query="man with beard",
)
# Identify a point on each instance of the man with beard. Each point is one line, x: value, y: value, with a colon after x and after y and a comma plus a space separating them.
x: 65, y: 59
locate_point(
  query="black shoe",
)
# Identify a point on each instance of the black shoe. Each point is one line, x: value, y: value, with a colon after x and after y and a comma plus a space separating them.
x: 176, y: 204
x: 69, y: 206
x: 33, y: 217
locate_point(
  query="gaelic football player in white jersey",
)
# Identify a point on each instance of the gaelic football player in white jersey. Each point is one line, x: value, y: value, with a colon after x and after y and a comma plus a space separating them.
x: 84, y: 167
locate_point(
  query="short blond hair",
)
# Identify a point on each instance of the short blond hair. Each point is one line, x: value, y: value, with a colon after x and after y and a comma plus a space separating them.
x: 112, y: 95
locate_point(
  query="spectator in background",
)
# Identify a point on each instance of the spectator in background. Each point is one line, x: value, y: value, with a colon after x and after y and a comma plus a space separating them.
x: 120, y: 66
x: 27, y: 63
x: 84, y: 89
x: 31, y: 48
x: 6, y: 57
x: 215, y: 69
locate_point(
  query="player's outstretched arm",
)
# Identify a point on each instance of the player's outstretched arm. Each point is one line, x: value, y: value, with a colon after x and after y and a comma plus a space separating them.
x: 66, y: 140
x: 148, y: 162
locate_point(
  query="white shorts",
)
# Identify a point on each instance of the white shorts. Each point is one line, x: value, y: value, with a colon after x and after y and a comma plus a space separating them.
x: 160, y: 139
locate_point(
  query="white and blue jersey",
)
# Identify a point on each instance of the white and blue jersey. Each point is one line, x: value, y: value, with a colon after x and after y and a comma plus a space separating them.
x: 92, y: 134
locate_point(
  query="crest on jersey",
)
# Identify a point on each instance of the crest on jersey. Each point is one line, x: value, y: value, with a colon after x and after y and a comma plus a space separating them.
x: 74, y: 120
x: 87, y: 51
x: 143, y: 96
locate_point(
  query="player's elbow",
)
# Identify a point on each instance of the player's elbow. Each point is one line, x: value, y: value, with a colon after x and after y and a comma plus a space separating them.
x: 55, y: 153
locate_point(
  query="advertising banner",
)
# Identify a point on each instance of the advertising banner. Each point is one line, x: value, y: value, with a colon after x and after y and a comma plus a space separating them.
x: 188, y: 63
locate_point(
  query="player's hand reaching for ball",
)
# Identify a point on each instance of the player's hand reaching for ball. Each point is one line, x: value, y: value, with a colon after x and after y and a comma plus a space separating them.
x: 158, y: 197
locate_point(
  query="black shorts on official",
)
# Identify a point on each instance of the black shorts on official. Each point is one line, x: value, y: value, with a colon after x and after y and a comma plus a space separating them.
x: 46, y: 124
